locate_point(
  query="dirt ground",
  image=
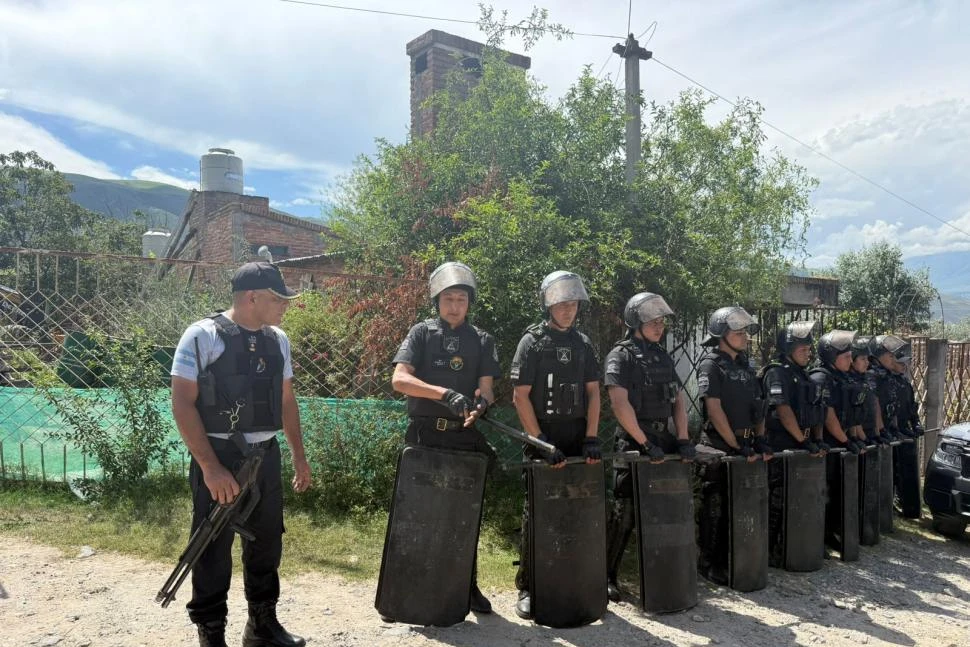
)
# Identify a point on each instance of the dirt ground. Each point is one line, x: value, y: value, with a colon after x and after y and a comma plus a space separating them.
x: 908, y: 590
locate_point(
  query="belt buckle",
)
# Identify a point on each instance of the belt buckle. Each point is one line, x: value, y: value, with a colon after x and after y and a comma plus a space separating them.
x: 746, y: 433
x: 441, y: 424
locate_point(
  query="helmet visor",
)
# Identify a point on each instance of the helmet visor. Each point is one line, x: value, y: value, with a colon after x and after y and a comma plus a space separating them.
x: 900, y: 348
x: 800, y: 332
x: 653, y: 307
x: 841, y: 340
x: 567, y: 288
x: 451, y: 275
x: 740, y: 320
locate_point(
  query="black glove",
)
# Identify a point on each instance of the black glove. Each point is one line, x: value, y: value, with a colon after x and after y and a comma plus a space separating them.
x: 811, y: 446
x: 481, y: 404
x: 906, y: 434
x: 686, y: 449
x: 653, y: 451
x: 556, y: 456
x: 591, y: 448
x: 823, y: 446
x: 747, y: 450
x: 458, y: 404
x: 883, y: 438
x: 851, y: 446
x: 918, y: 431
x: 761, y: 446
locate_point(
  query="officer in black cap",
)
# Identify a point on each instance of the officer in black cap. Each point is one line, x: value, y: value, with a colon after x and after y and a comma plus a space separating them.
x: 446, y: 367
x: 645, y: 392
x: 232, y: 375
x: 734, y: 412
x: 843, y: 399
x: 555, y: 375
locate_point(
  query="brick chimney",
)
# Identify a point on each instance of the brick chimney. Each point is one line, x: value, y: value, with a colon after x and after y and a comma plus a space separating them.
x: 434, y: 54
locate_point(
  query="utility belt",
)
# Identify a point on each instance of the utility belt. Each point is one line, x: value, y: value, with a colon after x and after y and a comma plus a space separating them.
x: 744, y: 434
x: 226, y: 442
x: 439, y: 424
x: 656, y: 426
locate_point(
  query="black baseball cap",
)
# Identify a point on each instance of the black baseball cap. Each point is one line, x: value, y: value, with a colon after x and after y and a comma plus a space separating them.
x: 261, y: 276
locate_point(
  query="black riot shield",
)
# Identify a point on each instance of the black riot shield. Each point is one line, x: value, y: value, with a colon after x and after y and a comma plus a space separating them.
x: 869, y: 497
x: 432, y: 536
x: 664, y: 505
x: 748, y: 525
x: 804, y: 512
x: 842, y: 507
x: 885, y: 489
x: 567, y: 518
x: 907, y: 479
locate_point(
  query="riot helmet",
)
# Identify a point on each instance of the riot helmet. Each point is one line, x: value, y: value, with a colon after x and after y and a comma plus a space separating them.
x: 860, y: 346
x: 797, y: 333
x: 644, y: 307
x: 452, y: 275
x: 834, y: 343
x: 882, y: 344
x: 729, y: 318
x: 559, y: 287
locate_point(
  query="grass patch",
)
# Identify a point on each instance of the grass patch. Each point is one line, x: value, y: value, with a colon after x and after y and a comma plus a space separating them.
x: 153, y: 524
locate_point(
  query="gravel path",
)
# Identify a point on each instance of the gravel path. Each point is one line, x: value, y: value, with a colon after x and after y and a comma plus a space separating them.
x: 909, y: 590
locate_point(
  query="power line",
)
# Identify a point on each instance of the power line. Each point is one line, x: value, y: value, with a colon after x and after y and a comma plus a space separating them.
x: 420, y: 16
x: 818, y: 152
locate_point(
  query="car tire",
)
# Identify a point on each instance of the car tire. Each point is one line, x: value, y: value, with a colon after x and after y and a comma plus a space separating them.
x: 952, y: 527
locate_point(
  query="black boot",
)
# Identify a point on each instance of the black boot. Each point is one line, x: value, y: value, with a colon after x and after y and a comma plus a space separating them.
x: 618, y: 534
x: 523, y: 608
x: 264, y: 630
x: 212, y: 633
x: 477, y: 601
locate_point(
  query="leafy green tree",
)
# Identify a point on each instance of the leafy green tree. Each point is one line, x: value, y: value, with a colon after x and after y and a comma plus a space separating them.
x: 875, y: 278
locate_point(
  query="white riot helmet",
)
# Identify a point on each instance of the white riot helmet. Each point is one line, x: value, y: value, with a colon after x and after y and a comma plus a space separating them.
x: 559, y: 287
x: 452, y: 275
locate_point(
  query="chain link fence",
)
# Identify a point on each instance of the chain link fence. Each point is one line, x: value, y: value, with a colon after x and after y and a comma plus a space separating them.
x: 69, y: 324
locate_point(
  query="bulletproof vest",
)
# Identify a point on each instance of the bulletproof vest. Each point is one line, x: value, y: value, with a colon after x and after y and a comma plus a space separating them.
x: 807, y: 396
x: 246, y: 380
x: 655, y: 387
x: 858, y: 400
x: 560, y: 393
x: 741, y: 394
x: 887, y: 390
x: 907, y: 412
x: 451, y: 359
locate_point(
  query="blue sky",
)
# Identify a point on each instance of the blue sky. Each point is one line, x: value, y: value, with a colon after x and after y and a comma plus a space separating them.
x: 140, y: 89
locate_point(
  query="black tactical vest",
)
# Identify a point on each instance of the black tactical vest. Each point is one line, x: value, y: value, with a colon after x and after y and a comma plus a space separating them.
x: 654, y: 390
x: 451, y: 359
x: 807, y: 396
x: 866, y: 413
x: 247, y: 376
x: 560, y: 392
x: 741, y: 395
x: 907, y: 412
x: 887, y: 390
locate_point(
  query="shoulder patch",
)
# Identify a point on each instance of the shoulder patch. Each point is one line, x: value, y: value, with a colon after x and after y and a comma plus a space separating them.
x: 776, y: 389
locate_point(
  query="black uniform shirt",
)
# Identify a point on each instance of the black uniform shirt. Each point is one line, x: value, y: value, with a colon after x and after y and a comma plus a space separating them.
x: 466, y: 354
x: 620, y: 364
x: 526, y: 361
x: 738, y: 399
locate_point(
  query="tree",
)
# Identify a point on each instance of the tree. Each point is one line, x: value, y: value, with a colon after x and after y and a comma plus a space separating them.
x: 875, y: 278
x: 518, y: 186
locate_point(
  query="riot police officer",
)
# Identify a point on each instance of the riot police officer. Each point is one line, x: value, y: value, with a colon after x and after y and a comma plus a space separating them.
x: 871, y: 415
x: 900, y: 415
x: 733, y: 410
x: 842, y: 397
x: 446, y: 367
x: 232, y: 391
x: 555, y: 375
x: 645, y: 392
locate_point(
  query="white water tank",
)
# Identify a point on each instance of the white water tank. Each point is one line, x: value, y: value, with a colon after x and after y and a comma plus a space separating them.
x: 221, y: 170
x: 155, y: 243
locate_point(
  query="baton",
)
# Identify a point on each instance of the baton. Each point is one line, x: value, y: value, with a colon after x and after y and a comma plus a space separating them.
x: 520, y: 436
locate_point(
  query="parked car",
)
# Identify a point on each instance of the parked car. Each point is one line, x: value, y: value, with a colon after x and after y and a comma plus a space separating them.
x: 946, y: 486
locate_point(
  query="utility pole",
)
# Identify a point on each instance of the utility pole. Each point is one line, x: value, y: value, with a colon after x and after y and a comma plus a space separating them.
x: 633, y: 53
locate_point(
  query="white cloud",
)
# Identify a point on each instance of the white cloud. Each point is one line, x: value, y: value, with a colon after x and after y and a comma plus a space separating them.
x: 301, y: 202
x: 152, y: 174
x: 836, y: 208
x: 19, y: 134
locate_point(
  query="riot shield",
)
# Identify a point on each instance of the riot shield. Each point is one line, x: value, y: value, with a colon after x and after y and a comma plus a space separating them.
x: 842, y: 507
x: 432, y: 536
x: 748, y: 525
x: 664, y: 505
x: 869, y: 497
x: 567, y: 518
x: 885, y: 489
x: 804, y: 512
x: 907, y: 479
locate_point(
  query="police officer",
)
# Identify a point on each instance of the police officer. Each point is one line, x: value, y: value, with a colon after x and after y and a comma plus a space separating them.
x: 555, y: 375
x: 900, y: 414
x: 842, y: 397
x: 446, y: 367
x: 795, y: 414
x: 645, y: 392
x: 871, y: 415
x: 733, y: 411
x: 795, y: 405
x: 232, y: 391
